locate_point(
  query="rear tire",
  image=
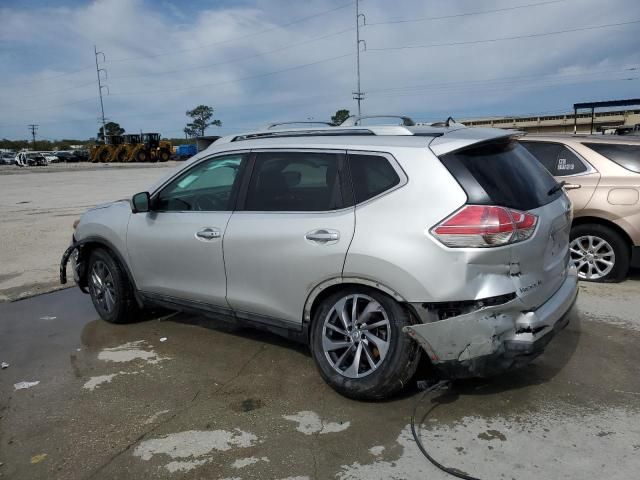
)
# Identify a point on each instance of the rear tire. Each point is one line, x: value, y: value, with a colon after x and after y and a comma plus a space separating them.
x: 110, y: 289
x: 600, y: 253
x: 388, y: 358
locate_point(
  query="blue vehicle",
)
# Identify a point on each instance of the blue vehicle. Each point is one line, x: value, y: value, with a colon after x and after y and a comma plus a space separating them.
x: 185, y: 151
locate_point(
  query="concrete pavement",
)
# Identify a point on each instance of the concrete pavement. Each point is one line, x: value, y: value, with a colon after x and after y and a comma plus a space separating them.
x: 213, y: 401
x: 38, y: 206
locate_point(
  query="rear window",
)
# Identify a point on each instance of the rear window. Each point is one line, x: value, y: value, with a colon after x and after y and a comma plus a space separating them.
x: 501, y: 173
x: 627, y: 156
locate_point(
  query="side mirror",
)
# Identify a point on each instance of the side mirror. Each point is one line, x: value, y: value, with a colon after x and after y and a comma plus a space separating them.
x: 140, y: 202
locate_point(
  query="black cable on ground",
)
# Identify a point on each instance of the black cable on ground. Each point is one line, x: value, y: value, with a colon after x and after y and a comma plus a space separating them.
x: 451, y: 471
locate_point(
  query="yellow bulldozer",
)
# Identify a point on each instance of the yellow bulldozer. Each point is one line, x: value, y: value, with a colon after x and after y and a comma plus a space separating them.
x: 122, y: 151
x: 145, y: 147
x: 104, y: 152
x: 151, y: 149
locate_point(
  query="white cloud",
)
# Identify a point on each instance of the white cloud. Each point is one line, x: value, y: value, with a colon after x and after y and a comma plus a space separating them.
x: 41, y: 43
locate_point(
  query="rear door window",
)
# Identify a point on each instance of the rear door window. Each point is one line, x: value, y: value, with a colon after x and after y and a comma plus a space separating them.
x: 625, y: 155
x: 501, y: 173
x: 569, y: 163
x: 295, y: 182
x: 371, y: 175
x: 545, y: 153
x: 556, y: 158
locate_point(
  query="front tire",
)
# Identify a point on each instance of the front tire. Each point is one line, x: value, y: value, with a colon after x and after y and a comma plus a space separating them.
x: 110, y: 289
x: 164, y: 156
x: 599, y: 253
x: 358, y: 344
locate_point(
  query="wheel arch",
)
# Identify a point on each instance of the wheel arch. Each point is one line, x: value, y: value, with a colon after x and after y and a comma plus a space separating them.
x: 333, y: 285
x: 586, y: 220
x: 87, y: 245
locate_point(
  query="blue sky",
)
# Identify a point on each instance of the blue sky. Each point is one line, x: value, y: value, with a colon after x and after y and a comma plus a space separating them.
x: 257, y: 61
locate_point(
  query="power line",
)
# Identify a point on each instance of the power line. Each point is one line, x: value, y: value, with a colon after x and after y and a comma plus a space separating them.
x: 49, y: 107
x: 473, y: 83
x: 516, y: 37
x: 53, y: 92
x: 241, y: 37
x: 234, y: 60
x: 44, y: 79
x: 499, y: 88
x: 235, y: 80
x: 388, y: 92
x: 468, y: 14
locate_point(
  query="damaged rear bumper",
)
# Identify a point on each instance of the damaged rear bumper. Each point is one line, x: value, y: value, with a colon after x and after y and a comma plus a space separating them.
x: 492, y: 340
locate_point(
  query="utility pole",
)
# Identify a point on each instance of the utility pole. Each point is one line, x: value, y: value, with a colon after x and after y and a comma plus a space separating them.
x: 100, y: 87
x: 358, y: 94
x: 34, y: 129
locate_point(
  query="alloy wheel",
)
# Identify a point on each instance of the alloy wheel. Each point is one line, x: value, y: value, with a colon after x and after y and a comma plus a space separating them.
x: 356, y: 336
x: 102, y: 286
x: 593, y: 257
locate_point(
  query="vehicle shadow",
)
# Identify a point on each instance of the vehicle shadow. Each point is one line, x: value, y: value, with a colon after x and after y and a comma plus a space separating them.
x: 541, y: 371
x: 227, y: 326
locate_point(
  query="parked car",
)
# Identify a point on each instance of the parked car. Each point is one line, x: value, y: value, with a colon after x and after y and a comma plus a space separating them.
x: 366, y: 243
x: 70, y: 155
x: 30, y: 159
x: 603, y: 182
x: 50, y: 157
x: 7, y: 159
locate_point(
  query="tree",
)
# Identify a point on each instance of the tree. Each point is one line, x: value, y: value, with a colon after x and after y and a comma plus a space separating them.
x: 201, y: 120
x: 340, y: 116
x: 112, y: 128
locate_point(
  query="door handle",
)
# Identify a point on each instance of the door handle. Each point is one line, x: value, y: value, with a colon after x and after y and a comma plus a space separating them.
x: 323, y: 236
x: 208, y: 233
x: 571, y: 186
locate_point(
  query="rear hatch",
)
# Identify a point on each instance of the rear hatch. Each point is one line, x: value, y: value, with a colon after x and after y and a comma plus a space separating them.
x: 500, y: 172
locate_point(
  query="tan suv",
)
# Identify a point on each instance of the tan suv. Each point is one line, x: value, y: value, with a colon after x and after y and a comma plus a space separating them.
x: 602, y: 176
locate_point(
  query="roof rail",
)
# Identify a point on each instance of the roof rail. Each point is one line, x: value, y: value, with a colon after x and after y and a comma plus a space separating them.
x: 304, y: 122
x: 354, y: 120
x: 326, y: 132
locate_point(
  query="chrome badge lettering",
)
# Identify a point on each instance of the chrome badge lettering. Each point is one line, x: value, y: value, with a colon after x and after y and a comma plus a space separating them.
x: 528, y: 288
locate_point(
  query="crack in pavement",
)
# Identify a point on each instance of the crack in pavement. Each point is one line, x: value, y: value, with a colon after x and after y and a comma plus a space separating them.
x: 140, y: 437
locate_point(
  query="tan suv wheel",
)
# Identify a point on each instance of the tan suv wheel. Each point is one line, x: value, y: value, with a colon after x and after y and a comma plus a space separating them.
x: 599, y: 253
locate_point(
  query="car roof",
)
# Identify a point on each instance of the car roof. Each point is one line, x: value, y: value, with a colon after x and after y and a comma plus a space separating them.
x: 441, y: 138
x: 568, y: 138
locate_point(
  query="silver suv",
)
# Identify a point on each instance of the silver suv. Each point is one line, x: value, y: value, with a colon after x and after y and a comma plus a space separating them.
x: 367, y: 243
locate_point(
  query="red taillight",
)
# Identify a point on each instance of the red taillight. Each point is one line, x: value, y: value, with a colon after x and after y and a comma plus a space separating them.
x: 485, y: 226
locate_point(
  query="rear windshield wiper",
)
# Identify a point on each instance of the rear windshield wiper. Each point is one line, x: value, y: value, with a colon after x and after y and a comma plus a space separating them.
x: 556, y: 188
